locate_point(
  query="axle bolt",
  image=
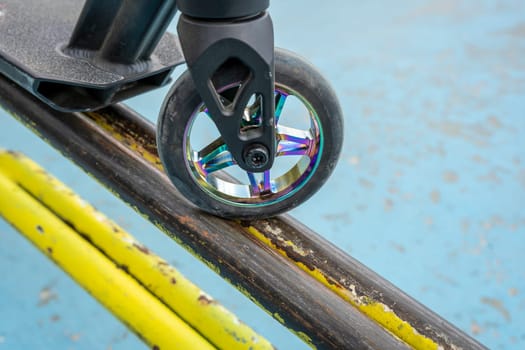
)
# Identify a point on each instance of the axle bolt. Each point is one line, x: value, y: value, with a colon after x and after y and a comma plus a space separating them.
x: 256, y: 156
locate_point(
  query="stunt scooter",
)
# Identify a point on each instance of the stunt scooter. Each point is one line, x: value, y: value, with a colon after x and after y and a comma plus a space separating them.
x: 248, y: 131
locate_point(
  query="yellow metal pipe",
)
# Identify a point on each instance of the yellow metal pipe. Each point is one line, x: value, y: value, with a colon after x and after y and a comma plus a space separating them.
x: 213, y: 321
x: 117, y: 291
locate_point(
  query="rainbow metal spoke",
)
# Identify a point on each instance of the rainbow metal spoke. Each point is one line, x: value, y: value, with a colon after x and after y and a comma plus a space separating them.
x: 214, y: 157
x: 293, y: 142
x: 267, y: 182
x: 280, y: 99
x: 261, y: 183
x: 254, y: 184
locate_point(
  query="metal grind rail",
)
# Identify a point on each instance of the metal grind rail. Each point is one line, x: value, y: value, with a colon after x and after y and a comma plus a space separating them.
x: 313, y: 288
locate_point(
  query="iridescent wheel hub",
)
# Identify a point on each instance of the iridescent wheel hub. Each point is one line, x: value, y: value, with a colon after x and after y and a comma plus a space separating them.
x: 299, y: 148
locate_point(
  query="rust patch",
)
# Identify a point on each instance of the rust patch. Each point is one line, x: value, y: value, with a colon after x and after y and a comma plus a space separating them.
x: 141, y: 248
x: 204, y: 300
x: 188, y: 221
x: 39, y: 228
x: 173, y: 280
x: 50, y: 250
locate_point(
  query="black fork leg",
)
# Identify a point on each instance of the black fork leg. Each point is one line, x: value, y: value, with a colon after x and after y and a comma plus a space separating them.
x: 215, y: 33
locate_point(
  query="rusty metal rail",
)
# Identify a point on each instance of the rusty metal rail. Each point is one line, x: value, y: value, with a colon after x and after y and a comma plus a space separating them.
x: 326, y: 297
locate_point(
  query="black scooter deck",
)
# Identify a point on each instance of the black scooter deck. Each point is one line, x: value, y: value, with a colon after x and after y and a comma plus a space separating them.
x: 33, y: 38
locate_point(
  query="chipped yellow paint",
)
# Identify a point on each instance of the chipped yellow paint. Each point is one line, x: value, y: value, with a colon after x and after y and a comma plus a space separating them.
x: 402, y: 329
x: 130, y: 142
x: 190, y: 303
x: 304, y: 337
x: 278, y: 317
x: 295, y: 248
x: 376, y: 311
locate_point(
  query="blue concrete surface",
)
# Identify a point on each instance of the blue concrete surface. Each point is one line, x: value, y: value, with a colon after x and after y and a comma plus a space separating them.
x: 429, y: 191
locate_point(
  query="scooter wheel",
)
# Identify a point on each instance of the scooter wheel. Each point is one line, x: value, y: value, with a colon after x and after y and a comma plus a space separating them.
x: 309, y: 137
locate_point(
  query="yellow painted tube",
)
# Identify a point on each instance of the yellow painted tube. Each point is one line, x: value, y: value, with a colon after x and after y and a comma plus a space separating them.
x: 209, y: 318
x: 117, y: 291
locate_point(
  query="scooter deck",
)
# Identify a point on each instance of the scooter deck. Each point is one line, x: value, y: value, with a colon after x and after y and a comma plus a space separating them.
x: 33, y: 36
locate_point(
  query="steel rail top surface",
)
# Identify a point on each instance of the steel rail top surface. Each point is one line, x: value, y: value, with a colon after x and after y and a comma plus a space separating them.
x: 351, y: 307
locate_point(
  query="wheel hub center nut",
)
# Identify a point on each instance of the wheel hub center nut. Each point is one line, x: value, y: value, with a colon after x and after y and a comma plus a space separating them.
x: 256, y: 156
